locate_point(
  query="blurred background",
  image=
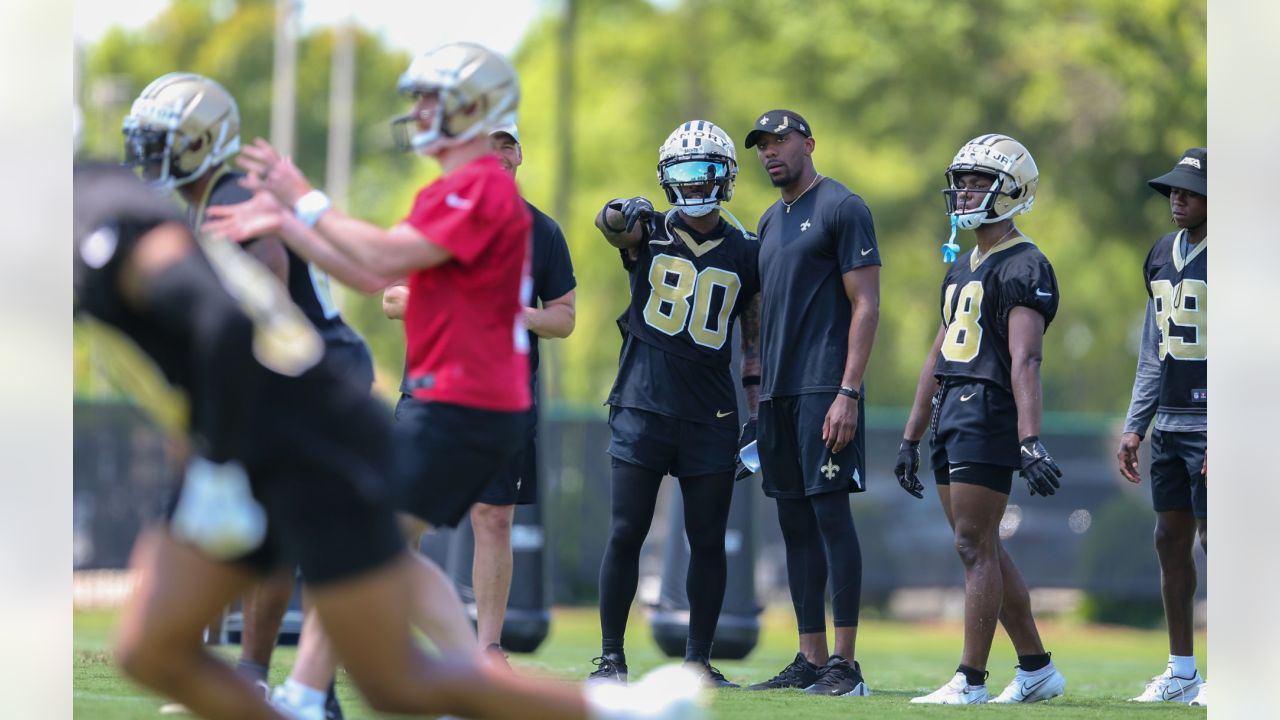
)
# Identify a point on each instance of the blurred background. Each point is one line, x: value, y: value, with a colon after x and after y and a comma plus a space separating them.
x: 1105, y: 94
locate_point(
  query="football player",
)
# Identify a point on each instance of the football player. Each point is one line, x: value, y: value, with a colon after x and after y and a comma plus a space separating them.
x: 181, y: 132
x: 982, y: 380
x: 820, y: 284
x: 1170, y: 385
x: 673, y: 406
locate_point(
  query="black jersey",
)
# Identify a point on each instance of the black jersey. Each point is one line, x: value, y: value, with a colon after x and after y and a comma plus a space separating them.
x: 977, y: 295
x: 308, y: 284
x: 1179, y: 289
x: 805, y: 250
x: 686, y: 290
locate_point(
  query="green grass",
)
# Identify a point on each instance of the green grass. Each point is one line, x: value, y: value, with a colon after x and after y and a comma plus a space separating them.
x: 1103, y: 665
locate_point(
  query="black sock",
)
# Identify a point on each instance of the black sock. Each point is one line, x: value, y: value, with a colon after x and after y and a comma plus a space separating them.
x: 1032, y: 663
x: 612, y: 649
x: 973, y: 676
x: 699, y: 652
x: 251, y: 671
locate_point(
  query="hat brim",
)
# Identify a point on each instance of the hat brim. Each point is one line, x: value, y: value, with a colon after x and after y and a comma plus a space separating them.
x: 754, y: 136
x: 1181, y: 179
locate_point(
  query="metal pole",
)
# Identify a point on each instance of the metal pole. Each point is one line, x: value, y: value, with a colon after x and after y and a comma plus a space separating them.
x: 283, y: 83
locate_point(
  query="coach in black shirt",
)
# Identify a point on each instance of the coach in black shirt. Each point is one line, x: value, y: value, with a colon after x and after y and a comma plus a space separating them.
x: 820, y: 288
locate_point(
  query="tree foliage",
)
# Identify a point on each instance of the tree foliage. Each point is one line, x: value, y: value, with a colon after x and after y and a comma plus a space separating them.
x: 1105, y: 93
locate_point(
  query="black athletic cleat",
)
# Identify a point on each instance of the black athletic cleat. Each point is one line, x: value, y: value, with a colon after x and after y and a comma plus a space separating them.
x: 609, y: 667
x: 711, y: 677
x: 839, y: 679
x: 799, y: 674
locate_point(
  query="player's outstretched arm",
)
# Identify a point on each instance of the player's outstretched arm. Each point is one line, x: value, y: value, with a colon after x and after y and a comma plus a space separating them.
x: 623, y: 221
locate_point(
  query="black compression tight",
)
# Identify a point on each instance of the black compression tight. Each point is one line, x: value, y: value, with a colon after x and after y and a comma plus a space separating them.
x: 819, y: 534
x: 706, y: 515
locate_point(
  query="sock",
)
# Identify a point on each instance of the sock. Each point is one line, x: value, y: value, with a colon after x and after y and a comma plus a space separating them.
x: 973, y: 676
x: 301, y: 695
x: 251, y: 670
x: 1032, y: 663
x: 697, y: 652
x: 1183, y: 666
x: 612, y: 648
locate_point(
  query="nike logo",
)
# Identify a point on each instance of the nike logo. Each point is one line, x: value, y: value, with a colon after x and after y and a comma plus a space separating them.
x: 1030, y: 688
x: 1041, y: 293
x: 967, y: 398
x: 720, y: 414
x: 1027, y: 452
x: 456, y: 202
x: 867, y: 252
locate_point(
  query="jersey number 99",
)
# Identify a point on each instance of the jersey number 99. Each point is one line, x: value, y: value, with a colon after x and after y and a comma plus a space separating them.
x: 1183, y: 306
x: 681, y: 296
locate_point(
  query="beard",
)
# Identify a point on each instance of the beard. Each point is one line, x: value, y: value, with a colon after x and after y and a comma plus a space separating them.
x: 784, y: 179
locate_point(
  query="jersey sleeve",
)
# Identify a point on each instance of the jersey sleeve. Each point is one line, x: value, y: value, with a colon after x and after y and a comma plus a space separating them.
x: 854, y: 235
x: 1029, y: 283
x: 464, y: 217
x: 555, y: 274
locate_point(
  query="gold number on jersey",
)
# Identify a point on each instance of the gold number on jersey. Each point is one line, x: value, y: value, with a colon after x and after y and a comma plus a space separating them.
x: 1185, y: 305
x: 964, y: 334
x: 681, y: 295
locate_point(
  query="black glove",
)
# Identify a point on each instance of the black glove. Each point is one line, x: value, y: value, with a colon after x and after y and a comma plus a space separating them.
x: 633, y: 210
x: 1038, y: 468
x: 748, y: 436
x: 907, y: 467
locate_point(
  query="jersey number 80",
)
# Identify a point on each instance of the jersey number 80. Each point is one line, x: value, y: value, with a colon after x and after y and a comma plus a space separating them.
x: 681, y: 296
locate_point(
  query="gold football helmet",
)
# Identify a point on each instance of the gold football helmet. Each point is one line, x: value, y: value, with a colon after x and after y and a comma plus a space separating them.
x: 1014, y: 174
x: 179, y: 128
x: 477, y: 90
x: 694, y: 154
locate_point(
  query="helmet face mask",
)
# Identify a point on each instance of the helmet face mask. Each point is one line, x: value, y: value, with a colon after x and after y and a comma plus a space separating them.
x: 697, y: 166
x: 179, y: 128
x: 1014, y: 178
x: 475, y: 89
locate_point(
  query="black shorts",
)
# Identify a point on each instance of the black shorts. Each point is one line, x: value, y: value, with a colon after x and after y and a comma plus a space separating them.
x: 1176, y: 482
x: 794, y: 462
x: 321, y: 469
x: 446, y: 454
x: 350, y: 357
x: 974, y: 422
x: 516, y: 483
x: 995, y: 477
x: 681, y: 448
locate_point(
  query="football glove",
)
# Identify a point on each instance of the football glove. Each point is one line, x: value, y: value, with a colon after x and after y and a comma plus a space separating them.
x: 636, y: 209
x: 216, y: 511
x: 907, y: 466
x: 1038, y: 468
x: 748, y: 436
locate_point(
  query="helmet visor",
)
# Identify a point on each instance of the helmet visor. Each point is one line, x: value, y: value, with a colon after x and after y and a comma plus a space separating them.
x: 146, y: 149
x: 695, y: 171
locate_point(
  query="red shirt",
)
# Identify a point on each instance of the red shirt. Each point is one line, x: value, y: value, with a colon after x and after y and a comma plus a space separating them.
x: 464, y: 328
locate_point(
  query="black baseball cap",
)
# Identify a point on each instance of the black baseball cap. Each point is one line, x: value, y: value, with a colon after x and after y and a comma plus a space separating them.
x: 778, y: 122
x: 1191, y: 173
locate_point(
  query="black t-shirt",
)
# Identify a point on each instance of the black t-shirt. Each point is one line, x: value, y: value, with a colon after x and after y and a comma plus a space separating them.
x: 977, y: 296
x: 686, y: 290
x: 805, y: 314
x: 550, y: 270
x: 1178, y: 284
x: 308, y: 284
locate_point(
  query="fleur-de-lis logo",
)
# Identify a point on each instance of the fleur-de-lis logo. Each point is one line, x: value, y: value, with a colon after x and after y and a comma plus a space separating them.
x: 804, y: 225
x: 764, y: 120
x: 830, y: 469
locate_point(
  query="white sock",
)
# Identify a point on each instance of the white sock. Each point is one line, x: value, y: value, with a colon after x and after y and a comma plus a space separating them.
x: 1183, y: 666
x: 302, y: 695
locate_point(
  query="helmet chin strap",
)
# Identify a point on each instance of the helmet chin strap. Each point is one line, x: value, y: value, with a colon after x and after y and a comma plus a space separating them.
x: 699, y: 210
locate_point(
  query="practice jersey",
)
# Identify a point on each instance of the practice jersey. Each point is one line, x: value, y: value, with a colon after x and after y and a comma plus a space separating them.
x: 1179, y: 288
x: 978, y: 294
x: 551, y: 273
x: 686, y: 290
x: 466, y: 342
x: 805, y: 250
x: 308, y: 285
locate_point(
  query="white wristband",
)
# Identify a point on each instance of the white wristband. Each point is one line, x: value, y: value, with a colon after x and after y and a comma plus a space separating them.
x: 311, y: 206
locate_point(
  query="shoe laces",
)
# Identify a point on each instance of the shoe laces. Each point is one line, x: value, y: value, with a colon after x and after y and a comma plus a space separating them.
x: 605, y: 667
x: 791, y: 672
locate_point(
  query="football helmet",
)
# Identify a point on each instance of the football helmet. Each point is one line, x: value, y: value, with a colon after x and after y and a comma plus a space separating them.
x: 477, y: 90
x: 180, y: 127
x: 694, y: 154
x: 1014, y: 179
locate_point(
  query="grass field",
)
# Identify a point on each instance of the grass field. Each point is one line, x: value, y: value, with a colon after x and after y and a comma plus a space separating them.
x: 1103, y: 665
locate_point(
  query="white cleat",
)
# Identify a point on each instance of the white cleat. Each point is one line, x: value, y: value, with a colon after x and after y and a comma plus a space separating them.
x: 1168, y: 687
x: 668, y: 693
x: 956, y: 692
x: 1044, y: 684
x: 1202, y: 697
x: 292, y: 707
